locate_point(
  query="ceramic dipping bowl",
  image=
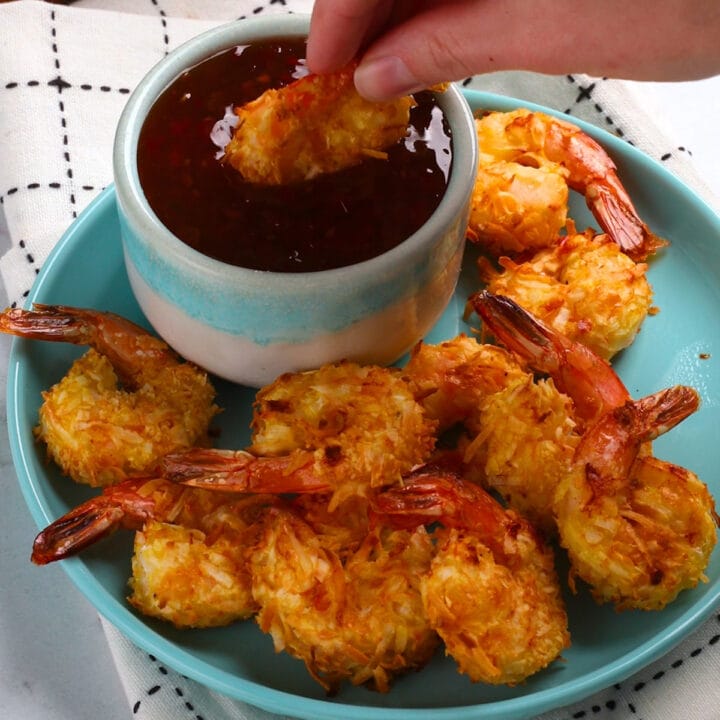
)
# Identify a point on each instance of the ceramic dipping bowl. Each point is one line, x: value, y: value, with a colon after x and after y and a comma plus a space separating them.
x: 248, y: 326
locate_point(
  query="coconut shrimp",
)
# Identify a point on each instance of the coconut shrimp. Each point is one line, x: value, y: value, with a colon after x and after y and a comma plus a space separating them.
x: 124, y: 404
x: 518, y: 433
x: 527, y: 214
x: 492, y: 592
x: 584, y: 286
x: 577, y: 371
x: 522, y: 442
x: 343, y: 430
x: 454, y: 376
x: 317, y: 124
x: 355, y: 616
x: 637, y: 529
x: 189, y: 565
x: 515, y: 207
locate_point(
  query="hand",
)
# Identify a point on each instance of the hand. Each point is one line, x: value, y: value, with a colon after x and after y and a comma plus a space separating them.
x: 406, y: 45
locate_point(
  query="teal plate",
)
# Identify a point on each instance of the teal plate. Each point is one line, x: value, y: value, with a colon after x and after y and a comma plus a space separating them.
x: 681, y: 344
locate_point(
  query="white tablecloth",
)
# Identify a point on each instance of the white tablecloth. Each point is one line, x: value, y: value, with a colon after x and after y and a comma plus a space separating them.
x: 65, y: 74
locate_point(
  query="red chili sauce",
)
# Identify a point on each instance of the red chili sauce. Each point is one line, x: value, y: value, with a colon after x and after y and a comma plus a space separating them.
x: 330, y: 221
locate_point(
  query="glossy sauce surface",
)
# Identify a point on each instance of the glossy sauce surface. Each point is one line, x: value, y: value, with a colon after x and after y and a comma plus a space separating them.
x: 330, y: 221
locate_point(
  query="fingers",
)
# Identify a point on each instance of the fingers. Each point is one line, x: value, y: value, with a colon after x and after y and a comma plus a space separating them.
x: 407, y: 45
x: 448, y: 41
x: 339, y: 28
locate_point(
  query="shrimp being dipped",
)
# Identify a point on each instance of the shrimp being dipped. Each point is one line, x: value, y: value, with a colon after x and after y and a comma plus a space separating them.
x: 123, y: 405
x: 189, y: 565
x: 342, y: 430
x: 584, y: 286
x: 530, y: 217
x: 317, y: 124
x: 491, y: 592
x: 352, y: 614
x: 637, y: 529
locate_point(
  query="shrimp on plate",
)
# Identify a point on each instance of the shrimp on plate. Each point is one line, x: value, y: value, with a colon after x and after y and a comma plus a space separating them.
x: 127, y: 402
x: 514, y: 207
x: 189, y: 565
x: 527, y: 161
x: 343, y: 430
x: 350, y: 613
x: 637, y: 529
x: 492, y: 592
x: 522, y: 442
x: 584, y: 286
x: 518, y: 432
x: 454, y: 376
x: 317, y: 124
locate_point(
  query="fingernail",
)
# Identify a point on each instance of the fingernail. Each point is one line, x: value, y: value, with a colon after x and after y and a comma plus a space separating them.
x: 385, y: 78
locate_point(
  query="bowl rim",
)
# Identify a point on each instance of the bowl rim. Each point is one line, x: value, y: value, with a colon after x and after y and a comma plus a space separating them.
x: 146, y: 224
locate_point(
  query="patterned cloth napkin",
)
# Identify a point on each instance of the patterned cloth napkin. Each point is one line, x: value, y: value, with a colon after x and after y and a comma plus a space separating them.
x: 65, y: 75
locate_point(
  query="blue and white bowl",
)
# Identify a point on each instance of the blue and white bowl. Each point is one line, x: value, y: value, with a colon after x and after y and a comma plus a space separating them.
x: 249, y: 326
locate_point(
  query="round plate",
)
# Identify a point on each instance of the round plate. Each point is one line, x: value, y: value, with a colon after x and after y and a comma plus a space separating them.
x: 681, y: 344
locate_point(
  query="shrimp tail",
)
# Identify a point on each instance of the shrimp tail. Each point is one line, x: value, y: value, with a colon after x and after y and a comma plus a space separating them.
x: 125, y: 505
x: 577, y: 371
x: 57, y: 323
x: 119, y: 339
x: 78, y: 529
x: 241, y: 472
x: 518, y: 330
x: 431, y: 494
x: 662, y: 411
x: 617, y: 217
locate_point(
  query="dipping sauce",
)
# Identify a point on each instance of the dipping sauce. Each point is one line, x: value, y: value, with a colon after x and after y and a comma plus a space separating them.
x: 331, y: 221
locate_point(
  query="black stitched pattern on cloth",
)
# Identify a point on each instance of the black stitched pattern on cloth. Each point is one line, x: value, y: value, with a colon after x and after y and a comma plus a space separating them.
x: 257, y: 10
x: 29, y: 257
x: 61, y: 85
x: 585, y: 94
x: 641, y: 686
x: 159, y: 687
x: 163, y: 22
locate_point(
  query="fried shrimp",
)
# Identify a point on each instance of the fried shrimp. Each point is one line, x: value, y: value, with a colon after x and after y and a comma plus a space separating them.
x: 355, y: 616
x: 189, y: 565
x: 637, y: 529
x: 343, y: 429
x: 527, y: 214
x: 317, y: 124
x: 491, y: 592
x: 577, y: 371
x: 584, y: 286
x: 519, y: 433
x: 516, y: 207
x: 454, y: 376
x: 523, y: 441
x: 124, y: 404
